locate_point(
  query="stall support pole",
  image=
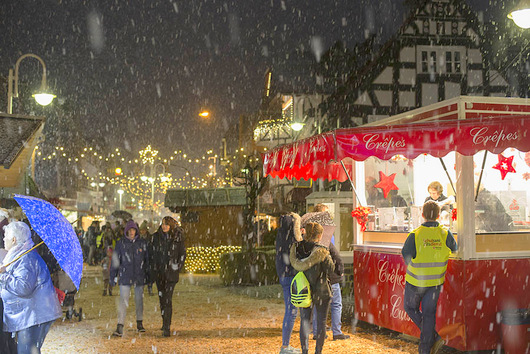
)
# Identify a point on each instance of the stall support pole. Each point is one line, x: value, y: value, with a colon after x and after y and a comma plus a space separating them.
x: 351, y: 182
x: 465, y: 207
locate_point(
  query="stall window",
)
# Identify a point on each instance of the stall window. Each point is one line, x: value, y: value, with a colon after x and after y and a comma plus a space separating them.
x: 502, y: 213
x: 395, y: 191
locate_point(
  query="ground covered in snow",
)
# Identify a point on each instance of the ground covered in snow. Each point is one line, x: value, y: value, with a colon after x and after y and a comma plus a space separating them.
x: 207, y: 318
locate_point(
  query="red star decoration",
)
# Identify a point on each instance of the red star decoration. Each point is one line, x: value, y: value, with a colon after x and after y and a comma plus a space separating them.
x: 504, y: 165
x: 386, y: 183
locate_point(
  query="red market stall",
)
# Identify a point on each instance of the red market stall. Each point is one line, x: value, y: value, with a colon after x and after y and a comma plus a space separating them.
x: 478, y: 149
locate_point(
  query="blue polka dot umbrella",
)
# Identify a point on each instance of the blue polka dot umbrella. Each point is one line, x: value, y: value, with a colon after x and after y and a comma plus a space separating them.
x: 56, y: 232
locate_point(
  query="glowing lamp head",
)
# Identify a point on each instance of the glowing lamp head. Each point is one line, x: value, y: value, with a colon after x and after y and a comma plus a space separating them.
x: 118, y: 171
x: 44, y: 99
x: 143, y: 178
x: 521, y: 14
x: 120, y: 191
x: 297, y: 126
x: 204, y: 114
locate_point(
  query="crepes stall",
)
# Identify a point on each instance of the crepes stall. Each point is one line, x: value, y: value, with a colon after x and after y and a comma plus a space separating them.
x: 477, y: 148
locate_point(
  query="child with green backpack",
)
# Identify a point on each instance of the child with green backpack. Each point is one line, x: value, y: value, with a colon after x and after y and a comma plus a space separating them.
x: 314, y: 260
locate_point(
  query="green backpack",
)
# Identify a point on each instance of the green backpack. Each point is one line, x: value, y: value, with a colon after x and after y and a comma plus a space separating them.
x: 300, y: 291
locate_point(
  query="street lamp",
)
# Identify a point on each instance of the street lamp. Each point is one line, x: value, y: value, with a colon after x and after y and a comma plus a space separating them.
x: 204, y: 114
x: 296, y: 126
x: 120, y: 193
x: 521, y: 14
x: 41, y: 96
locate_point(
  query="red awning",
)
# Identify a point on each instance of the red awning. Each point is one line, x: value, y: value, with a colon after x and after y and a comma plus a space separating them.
x: 319, y: 156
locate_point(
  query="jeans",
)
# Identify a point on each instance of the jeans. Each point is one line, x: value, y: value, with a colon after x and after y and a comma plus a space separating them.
x: 165, y: 296
x: 336, y: 311
x: 426, y: 318
x: 125, y: 294
x: 30, y: 339
x: 290, y: 311
x: 322, y: 307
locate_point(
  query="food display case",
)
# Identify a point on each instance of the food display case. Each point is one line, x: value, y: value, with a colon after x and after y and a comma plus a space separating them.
x: 478, y: 149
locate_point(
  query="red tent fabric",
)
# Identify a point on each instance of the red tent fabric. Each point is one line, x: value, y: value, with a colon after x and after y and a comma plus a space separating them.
x: 319, y: 156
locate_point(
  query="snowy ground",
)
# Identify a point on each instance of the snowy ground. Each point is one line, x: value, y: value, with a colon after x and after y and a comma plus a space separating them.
x: 207, y: 318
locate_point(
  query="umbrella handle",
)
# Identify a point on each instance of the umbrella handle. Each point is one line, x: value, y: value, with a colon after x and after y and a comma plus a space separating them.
x: 28, y: 251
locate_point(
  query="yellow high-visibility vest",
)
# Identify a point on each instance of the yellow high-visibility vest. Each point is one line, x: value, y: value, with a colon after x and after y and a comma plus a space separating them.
x: 432, y: 254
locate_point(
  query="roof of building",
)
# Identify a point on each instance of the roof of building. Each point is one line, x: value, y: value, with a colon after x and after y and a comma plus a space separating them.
x: 15, y: 133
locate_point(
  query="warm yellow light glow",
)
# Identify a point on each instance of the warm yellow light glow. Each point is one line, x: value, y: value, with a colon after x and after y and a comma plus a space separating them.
x: 297, y: 126
x: 120, y: 191
x: 204, y: 114
x: 521, y: 16
x: 44, y: 99
x: 117, y: 171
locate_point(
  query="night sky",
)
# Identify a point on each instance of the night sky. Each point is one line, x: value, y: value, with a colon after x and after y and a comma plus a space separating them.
x: 139, y: 71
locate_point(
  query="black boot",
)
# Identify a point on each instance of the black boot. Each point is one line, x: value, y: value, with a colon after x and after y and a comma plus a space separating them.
x: 140, y: 326
x: 166, y: 332
x: 119, y: 331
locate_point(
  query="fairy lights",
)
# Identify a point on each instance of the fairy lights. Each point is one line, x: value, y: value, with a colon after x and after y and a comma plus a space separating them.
x: 206, y: 259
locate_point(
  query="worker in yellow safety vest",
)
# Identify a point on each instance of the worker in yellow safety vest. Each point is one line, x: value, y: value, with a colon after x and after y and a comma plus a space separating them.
x: 426, y: 252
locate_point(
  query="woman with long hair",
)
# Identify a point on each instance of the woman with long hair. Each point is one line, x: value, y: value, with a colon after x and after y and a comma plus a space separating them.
x: 167, y: 253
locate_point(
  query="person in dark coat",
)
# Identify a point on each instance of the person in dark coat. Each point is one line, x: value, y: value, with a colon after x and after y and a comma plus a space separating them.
x: 288, y: 233
x: 129, y: 267
x: 168, y: 253
x: 335, y: 278
x: 315, y: 261
x: 92, y: 234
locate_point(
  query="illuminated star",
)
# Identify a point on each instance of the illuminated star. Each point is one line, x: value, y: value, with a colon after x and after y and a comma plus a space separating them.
x: 504, y: 165
x: 386, y: 183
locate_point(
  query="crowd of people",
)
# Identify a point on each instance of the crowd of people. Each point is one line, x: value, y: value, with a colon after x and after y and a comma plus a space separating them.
x: 132, y: 258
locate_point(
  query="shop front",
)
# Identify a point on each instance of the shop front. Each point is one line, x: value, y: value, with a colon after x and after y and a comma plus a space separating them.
x: 477, y: 148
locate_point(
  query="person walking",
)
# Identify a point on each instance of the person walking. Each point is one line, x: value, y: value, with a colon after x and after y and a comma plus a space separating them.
x: 315, y: 261
x: 129, y: 267
x: 92, y: 234
x: 288, y: 233
x: 30, y: 301
x: 336, y: 278
x: 426, y: 252
x: 144, y: 233
x: 167, y: 254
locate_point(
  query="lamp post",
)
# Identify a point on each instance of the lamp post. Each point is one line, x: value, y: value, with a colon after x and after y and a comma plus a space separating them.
x: 41, y: 96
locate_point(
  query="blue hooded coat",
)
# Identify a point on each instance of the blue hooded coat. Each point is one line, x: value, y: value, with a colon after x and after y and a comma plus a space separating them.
x: 130, y: 260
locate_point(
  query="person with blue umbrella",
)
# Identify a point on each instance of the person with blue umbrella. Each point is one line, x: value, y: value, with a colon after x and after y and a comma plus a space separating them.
x: 30, y: 301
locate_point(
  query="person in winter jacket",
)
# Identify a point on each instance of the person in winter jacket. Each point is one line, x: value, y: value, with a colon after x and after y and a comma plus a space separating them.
x: 130, y: 265
x: 288, y: 233
x: 167, y: 254
x: 426, y: 252
x: 314, y: 260
x: 30, y: 300
x: 92, y: 234
x: 335, y: 279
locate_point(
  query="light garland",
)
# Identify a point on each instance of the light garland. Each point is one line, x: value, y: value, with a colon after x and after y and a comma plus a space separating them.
x: 206, y: 259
